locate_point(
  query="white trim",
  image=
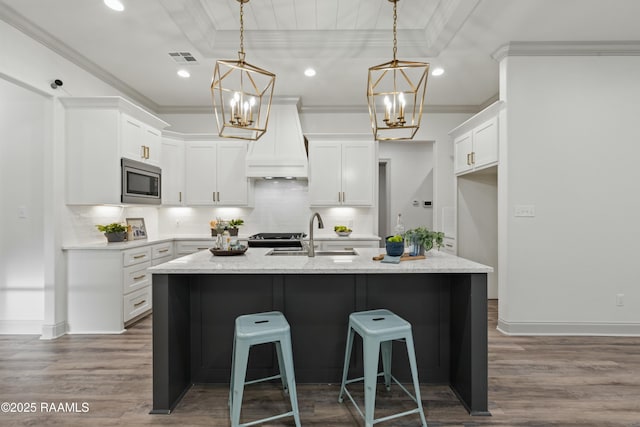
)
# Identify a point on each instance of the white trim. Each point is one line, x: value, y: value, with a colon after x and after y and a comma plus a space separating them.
x: 20, y: 327
x: 97, y: 332
x: 617, y: 329
x: 562, y: 48
x: 50, y: 332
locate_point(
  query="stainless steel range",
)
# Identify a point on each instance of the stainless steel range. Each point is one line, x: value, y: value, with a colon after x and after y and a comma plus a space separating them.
x: 276, y: 240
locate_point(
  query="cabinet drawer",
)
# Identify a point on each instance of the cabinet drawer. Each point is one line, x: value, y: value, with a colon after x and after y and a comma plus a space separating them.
x: 158, y: 261
x: 187, y: 247
x: 137, y: 303
x: 346, y: 245
x: 136, y: 256
x: 449, y: 245
x: 136, y: 277
x: 162, y: 250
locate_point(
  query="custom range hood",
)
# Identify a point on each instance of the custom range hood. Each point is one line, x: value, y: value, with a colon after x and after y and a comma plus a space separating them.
x: 280, y: 152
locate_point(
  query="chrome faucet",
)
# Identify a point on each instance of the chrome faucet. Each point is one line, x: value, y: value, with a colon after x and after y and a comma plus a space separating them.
x: 312, y: 251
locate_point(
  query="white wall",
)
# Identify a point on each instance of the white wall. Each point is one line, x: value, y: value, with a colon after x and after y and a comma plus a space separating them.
x: 23, y: 126
x: 573, y: 150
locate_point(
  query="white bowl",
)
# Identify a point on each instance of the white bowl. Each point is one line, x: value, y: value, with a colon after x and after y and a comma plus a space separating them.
x: 343, y: 233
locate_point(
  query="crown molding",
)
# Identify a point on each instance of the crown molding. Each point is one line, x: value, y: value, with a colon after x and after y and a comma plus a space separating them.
x: 562, y: 48
x: 13, y: 18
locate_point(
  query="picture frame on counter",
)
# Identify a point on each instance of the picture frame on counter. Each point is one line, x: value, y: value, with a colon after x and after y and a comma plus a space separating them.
x: 138, y: 229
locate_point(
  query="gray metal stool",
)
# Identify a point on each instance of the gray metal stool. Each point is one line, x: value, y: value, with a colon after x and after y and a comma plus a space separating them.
x: 260, y: 328
x: 378, y: 329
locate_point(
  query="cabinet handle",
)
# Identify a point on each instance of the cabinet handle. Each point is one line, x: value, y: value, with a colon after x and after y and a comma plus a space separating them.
x: 218, y: 193
x: 344, y: 199
x: 138, y: 304
x: 163, y: 250
x: 144, y: 151
x: 139, y: 277
x: 202, y: 249
x: 139, y: 256
x: 180, y: 196
x: 339, y: 196
x: 468, y: 159
x: 473, y: 157
x: 214, y: 196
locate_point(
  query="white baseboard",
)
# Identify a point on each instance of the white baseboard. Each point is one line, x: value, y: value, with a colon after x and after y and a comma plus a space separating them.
x: 50, y: 332
x: 20, y: 327
x: 610, y: 329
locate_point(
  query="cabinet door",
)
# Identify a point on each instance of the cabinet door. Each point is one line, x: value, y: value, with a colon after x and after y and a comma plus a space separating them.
x: 485, y: 143
x: 463, y: 148
x: 231, y: 175
x: 325, y: 173
x: 200, y: 173
x: 172, y: 172
x: 132, y: 139
x: 358, y: 177
x: 152, y: 140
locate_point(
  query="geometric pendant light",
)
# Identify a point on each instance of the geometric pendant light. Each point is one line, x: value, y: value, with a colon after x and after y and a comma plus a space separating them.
x: 395, y: 94
x: 241, y: 95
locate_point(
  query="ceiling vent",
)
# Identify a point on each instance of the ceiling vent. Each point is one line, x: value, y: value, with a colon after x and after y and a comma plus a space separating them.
x: 183, y: 57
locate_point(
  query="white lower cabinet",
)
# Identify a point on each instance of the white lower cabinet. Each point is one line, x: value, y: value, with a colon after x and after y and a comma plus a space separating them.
x: 109, y: 288
x: 186, y: 247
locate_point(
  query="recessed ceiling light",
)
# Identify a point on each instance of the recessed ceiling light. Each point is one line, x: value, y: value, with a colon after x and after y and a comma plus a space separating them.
x: 437, y: 71
x: 115, y: 5
x: 184, y: 73
x: 309, y: 72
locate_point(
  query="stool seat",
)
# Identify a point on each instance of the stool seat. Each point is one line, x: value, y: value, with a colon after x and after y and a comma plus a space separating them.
x: 378, y: 323
x: 261, y: 328
x: 378, y: 329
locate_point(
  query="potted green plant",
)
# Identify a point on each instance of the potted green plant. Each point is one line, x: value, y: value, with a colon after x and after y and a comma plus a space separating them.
x: 422, y: 239
x: 114, y: 232
x: 233, y: 226
x: 395, y: 245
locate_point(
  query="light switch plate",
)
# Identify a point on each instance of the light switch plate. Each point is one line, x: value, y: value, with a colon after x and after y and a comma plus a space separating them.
x: 525, y: 210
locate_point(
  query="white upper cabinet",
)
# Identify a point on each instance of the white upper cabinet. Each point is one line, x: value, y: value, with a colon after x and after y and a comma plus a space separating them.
x: 172, y: 171
x: 341, y: 170
x: 99, y: 132
x: 215, y: 173
x: 139, y: 141
x: 476, y: 141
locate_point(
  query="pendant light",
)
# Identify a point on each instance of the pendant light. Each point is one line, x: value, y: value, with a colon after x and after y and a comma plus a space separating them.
x: 395, y: 93
x: 242, y: 94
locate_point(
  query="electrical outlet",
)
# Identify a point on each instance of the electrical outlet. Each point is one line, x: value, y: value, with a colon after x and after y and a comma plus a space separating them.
x: 620, y: 300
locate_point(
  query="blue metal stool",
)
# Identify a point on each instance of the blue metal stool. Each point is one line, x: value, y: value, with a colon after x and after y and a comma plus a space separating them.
x: 378, y: 329
x: 260, y: 328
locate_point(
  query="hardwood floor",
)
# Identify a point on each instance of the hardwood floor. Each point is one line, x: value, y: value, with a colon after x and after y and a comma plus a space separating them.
x: 533, y: 381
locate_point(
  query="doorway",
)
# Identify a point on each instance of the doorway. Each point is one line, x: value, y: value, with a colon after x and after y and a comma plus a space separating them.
x: 384, y: 200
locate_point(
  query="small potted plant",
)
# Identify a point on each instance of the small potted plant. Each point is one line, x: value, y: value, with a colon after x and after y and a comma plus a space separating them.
x: 233, y: 226
x: 395, y: 245
x: 421, y: 239
x: 114, y: 232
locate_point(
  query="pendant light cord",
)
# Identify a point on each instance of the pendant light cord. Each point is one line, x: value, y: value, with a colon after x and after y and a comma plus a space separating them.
x: 241, y: 53
x: 395, y: 38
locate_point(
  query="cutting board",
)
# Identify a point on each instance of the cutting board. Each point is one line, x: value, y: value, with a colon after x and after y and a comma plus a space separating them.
x: 404, y: 257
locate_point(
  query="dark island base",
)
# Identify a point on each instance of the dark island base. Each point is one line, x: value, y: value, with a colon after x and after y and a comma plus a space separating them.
x: 194, y: 315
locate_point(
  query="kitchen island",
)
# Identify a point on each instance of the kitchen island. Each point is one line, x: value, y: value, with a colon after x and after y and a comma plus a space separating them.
x: 197, y: 298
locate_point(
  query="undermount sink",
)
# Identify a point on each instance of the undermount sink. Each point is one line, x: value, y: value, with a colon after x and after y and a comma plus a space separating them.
x: 275, y: 252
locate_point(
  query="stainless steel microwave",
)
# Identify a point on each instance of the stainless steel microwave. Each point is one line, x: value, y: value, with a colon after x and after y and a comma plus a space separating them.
x: 141, y: 183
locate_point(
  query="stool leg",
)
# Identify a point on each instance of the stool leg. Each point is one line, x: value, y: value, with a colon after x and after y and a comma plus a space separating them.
x: 287, y: 354
x: 386, y: 349
x: 414, y: 375
x: 233, y: 365
x: 371, y: 357
x: 347, y: 361
x: 241, y: 356
x: 281, y: 367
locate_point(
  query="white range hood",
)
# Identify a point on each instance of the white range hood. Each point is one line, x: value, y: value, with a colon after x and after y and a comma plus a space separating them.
x: 280, y: 152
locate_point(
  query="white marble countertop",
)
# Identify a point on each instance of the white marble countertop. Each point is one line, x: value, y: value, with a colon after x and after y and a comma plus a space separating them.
x: 254, y: 261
